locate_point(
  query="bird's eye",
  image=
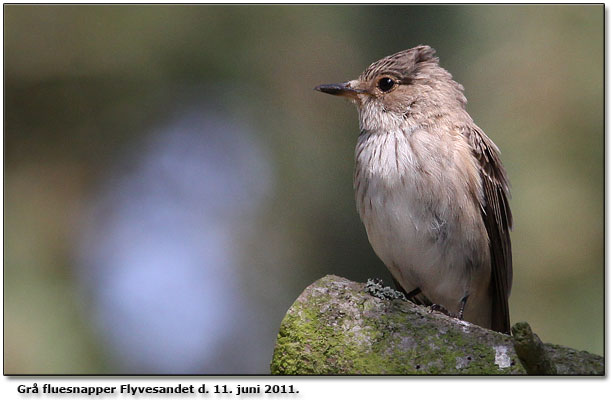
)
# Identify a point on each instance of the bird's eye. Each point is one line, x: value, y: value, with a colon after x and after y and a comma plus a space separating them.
x: 385, y: 84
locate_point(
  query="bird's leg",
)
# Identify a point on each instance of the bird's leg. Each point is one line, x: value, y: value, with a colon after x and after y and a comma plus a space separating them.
x: 412, y: 295
x: 462, y: 305
x: 415, y: 296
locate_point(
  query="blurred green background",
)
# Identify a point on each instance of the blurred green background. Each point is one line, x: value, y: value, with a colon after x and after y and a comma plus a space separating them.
x: 91, y: 90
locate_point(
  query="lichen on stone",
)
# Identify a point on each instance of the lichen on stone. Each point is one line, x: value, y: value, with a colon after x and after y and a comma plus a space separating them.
x: 338, y: 327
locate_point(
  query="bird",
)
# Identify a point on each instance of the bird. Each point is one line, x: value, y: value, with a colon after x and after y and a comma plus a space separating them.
x: 430, y: 188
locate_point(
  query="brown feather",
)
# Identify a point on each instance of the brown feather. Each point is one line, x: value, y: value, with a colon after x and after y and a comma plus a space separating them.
x: 498, y: 221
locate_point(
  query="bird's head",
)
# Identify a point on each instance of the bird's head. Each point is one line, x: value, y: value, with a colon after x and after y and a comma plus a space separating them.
x: 400, y: 89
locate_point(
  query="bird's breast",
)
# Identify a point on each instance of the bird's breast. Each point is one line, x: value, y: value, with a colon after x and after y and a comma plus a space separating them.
x: 414, y: 195
x: 412, y: 173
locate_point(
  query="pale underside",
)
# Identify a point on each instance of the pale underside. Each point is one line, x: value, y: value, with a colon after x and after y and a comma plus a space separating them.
x: 422, y: 219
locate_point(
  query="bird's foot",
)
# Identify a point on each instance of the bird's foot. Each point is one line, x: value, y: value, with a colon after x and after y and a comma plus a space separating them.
x: 441, y: 309
x: 459, y: 315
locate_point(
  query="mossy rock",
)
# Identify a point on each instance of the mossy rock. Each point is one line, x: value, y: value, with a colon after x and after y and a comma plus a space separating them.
x: 336, y: 327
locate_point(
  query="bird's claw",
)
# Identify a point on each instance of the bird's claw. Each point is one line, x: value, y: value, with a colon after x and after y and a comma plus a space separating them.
x: 441, y: 309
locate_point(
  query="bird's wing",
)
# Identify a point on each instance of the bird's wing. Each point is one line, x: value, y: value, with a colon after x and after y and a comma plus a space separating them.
x: 498, y: 220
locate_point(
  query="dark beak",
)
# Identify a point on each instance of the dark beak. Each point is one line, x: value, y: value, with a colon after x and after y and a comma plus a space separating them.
x: 339, y: 89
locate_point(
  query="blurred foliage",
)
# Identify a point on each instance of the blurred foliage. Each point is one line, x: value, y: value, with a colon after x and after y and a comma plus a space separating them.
x: 84, y: 83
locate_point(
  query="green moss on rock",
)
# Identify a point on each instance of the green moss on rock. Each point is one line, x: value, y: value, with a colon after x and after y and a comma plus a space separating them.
x: 335, y: 328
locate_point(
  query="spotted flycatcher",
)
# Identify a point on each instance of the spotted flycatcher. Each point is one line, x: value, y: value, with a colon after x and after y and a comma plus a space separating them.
x: 430, y: 188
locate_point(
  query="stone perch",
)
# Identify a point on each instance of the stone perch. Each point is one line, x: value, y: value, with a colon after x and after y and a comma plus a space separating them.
x: 339, y: 327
